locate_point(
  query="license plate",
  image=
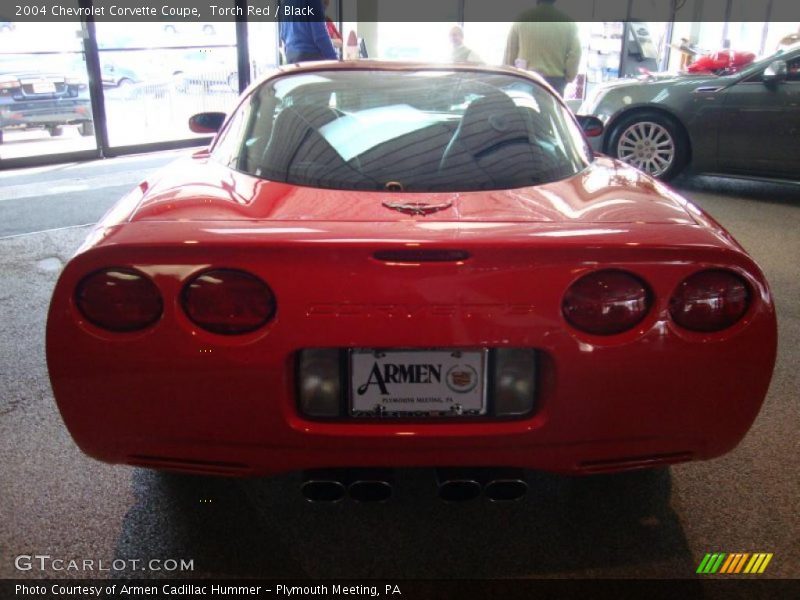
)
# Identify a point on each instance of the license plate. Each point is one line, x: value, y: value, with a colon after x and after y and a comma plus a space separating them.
x: 43, y: 87
x: 417, y: 383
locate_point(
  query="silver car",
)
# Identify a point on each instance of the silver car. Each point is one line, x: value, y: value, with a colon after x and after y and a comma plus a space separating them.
x: 746, y: 123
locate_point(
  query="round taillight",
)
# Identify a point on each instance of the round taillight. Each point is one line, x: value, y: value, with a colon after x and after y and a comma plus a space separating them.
x: 710, y: 301
x: 606, y: 302
x: 119, y: 300
x: 228, y: 302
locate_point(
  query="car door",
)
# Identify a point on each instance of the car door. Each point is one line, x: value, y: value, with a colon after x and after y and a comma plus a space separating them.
x: 760, y: 125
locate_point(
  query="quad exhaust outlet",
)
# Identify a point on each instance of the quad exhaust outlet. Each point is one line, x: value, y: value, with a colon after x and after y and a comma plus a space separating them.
x: 377, y: 485
x: 324, y: 485
x: 362, y: 485
x: 498, y: 485
x: 371, y: 485
x: 458, y: 485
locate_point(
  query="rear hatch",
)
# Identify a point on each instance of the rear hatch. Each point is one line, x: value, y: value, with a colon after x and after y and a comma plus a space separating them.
x: 605, y: 193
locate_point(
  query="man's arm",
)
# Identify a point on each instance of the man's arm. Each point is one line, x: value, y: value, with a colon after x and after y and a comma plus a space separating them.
x: 512, y: 46
x: 319, y: 30
x: 573, y: 58
x: 322, y: 40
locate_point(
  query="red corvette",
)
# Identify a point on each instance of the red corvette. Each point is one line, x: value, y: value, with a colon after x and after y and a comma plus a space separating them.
x: 386, y: 265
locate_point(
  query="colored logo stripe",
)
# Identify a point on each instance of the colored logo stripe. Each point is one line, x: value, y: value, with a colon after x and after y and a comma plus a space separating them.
x: 703, y: 564
x: 711, y: 563
x: 727, y: 564
x: 758, y: 563
x: 732, y: 564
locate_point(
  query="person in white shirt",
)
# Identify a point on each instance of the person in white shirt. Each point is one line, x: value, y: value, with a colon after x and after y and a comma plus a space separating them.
x: 461, y: 53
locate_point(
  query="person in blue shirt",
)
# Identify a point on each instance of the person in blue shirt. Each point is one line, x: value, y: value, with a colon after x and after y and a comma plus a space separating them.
x: 305, y: 38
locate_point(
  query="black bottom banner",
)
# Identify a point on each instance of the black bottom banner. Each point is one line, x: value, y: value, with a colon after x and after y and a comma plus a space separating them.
x: 561, y: 589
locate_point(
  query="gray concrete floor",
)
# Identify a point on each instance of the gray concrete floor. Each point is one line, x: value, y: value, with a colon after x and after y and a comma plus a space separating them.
x: 56, y: 501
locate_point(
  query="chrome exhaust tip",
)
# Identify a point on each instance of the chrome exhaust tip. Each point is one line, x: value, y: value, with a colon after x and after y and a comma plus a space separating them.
x: 324, y: 486
x: 370, y: 491
x: 370, y: 485
x: 506, y: 486
x: 457, y: 485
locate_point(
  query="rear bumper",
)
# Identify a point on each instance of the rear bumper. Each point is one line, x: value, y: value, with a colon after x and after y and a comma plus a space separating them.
x: 583, y: 459
x: 229, y: 418
x: 180, y: 398
x: 43, y: 112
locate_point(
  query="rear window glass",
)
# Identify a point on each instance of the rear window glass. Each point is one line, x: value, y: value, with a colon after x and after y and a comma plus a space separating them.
x: 413, y: 131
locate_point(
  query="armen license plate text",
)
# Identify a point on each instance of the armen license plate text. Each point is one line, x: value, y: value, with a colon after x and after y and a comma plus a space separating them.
x: 415, y: 383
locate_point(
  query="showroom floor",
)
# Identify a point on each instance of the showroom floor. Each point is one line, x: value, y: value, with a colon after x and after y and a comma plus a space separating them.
x: 56, y: 501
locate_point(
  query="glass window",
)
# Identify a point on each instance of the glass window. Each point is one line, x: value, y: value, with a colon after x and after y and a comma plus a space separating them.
x: 45, y: 106
x: 781, y: 36
x: 757, y: 69
x: 263, y: 42
x: 407, y: 130
x: 156, y: 75
x: 487, y: 40
x: 430, y: 42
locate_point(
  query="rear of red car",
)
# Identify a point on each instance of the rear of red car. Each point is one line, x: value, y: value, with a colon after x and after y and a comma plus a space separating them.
x: 220, y: 322
x: 182, y: 389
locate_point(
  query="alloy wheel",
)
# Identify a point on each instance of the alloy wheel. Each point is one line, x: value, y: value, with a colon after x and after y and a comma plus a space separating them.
x: 647, y: 146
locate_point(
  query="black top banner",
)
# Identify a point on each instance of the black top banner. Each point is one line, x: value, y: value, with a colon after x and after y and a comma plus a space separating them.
x: 397, y: 10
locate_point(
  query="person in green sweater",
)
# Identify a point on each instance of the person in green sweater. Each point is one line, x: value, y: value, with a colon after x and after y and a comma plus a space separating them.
x: 545, y: 40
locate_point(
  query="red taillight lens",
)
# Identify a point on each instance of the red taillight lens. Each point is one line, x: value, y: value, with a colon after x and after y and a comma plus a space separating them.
x: 228, y: 302
x: 119, y: 300
x: 710, y: 301
x: 606, y: 302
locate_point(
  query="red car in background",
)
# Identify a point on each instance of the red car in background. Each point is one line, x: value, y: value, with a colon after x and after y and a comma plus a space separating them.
x: 722, y: 62
x: 394, y: 265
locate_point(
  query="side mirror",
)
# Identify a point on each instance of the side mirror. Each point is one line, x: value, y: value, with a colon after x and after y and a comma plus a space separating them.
x: 207, y: 122
x: 775, y: 73
x: 591, y: 125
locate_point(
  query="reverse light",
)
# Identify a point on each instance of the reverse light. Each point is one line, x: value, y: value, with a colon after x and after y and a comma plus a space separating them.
x: 228, y: 302
x: 606, y: 302
x: 320, y: 382
x: 710, y: 301
x: 514, y: 381
x: 119, y: 299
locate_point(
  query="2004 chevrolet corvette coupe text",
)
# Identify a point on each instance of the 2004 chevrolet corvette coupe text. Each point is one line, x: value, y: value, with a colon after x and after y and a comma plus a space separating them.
x: 385, y: 265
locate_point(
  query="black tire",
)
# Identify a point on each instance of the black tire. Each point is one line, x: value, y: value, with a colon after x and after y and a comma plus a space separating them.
x: 656, y: 133
x: 55, y: 131
x: 87, y: 128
